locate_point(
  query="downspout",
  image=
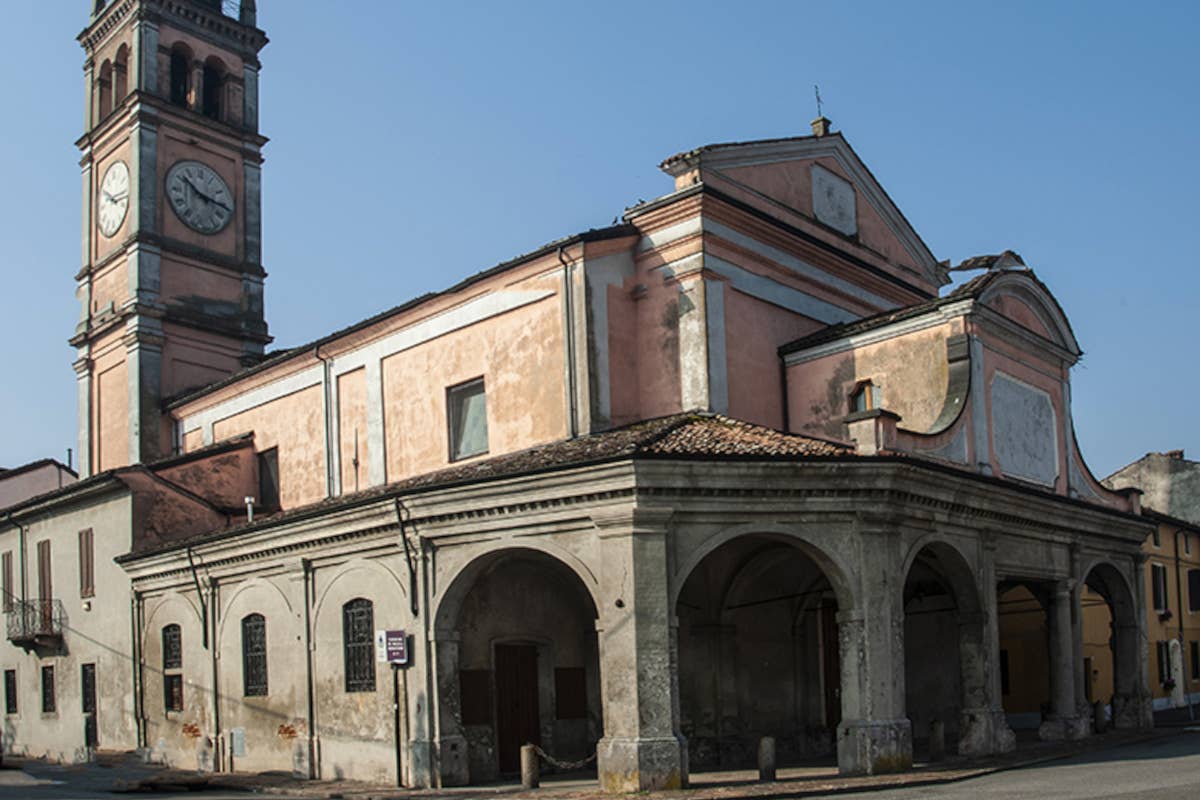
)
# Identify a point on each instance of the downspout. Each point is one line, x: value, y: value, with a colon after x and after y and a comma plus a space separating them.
x: 306, y: 564
x: 569, y: 302
x: 432, y: 702
x: 1179, y: 616
x: 135, y: 652
x: 409, y: 559
x: 140, y: 708
x: 327, y: 406
x: 218, y: 737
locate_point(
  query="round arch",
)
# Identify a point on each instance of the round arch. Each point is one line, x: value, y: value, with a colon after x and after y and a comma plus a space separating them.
x: 252, y: 585
x: 1120, y: 630
x: 390, y: 578
x: 829, y: 564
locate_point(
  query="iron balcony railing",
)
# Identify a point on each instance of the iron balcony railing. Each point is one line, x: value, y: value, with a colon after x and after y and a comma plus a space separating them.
x: 36, y: 620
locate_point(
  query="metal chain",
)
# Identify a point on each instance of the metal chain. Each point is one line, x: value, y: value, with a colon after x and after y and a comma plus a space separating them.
x: 567, y: 765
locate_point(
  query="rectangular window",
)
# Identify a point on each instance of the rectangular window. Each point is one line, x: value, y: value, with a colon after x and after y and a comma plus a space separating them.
x: 1193, y: 589
x: 570, y: 693
x: 10, y: 691
x: 1195, y: 654
x: 45, y: 588
x: 173, y: 692
x: 48, y: 690
x: 268, y: 479
x: 1163, y: 651
x: 358, y: 643
x: 475, y: 696
x: 87, y: 572
x: 7, y: 578
x: 1187, y: 545
x: 1158, y: 580
x: 254, y: 656
x: 466, y: 406
x: 1156, y: 538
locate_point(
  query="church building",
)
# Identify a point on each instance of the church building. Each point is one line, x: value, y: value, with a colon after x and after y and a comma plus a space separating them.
x: 739, y: 465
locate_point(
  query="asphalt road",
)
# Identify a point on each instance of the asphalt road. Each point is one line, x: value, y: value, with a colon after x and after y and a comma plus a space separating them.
x: 1163, y: 769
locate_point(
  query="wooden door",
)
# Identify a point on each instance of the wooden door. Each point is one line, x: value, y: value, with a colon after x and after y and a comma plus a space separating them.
x: 517, y: 717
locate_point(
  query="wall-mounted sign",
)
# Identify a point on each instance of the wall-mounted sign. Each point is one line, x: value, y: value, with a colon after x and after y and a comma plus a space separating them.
x: 391, y: 647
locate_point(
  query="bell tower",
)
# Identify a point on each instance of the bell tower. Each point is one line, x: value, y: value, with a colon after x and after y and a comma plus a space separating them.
x: 171, y: 280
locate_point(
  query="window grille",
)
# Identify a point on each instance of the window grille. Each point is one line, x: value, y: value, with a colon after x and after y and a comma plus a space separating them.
x: 10, y: 691
x: 173, y: 692
x: 358, y: 642
x: 172, y: 642
x: 254, y: 655
x: 48, y: 690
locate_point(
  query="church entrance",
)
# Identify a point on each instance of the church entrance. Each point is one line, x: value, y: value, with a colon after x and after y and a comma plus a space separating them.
x: 517, y: 712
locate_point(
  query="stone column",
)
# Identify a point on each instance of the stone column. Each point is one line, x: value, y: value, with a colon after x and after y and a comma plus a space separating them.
x: 1064, y: 722
x: 875, y: 735
x: 443, y: 760
x: 1132, y: 702
x: 983, y: 726
x: 642, y: 749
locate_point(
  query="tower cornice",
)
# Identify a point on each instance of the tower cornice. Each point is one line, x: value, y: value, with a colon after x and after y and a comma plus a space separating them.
x: 183, y: 14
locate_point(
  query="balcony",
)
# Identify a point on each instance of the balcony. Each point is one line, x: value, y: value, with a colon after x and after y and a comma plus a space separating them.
x: 37, y: 623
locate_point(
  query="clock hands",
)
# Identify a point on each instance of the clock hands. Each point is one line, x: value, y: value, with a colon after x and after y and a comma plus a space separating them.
x: 114, y: 198
x: 202, y: 193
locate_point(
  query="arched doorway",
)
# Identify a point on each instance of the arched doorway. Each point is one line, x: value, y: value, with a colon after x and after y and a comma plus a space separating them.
x: 758, y: 650
x: 518, y: 661
x: 1110, y: 647
x: 945, y: 658
x: 1024, y: 654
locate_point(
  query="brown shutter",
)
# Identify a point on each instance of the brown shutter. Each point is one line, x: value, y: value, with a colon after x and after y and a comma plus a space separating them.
x: 87, y: 575
x: 8, y: 581
x: 45, y: 589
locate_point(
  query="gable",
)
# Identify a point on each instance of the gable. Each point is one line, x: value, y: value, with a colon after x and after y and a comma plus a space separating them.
x: 823, y: 180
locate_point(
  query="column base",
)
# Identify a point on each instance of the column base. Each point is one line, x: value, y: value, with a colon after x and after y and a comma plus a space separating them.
x: 1057, y: 729
x: 872, y: 747
x: 1133, y: 711
x: 641, y: 765
x: 439, y: 763
x: 985, y: 732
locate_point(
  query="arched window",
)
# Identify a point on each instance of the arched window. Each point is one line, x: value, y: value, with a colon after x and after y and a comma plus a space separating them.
x: 104, y: 87
x: 254, y: 655
x: 120, y: 75
x: 172, y: 661
x: 214, y: 78
x: 180, y: 78
x: 358, y: 643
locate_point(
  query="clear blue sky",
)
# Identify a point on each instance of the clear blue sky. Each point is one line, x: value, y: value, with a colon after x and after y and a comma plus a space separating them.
x: 416, y: 143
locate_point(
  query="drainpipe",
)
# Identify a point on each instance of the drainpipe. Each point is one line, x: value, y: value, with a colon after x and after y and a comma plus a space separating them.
x: 308, y: 661
x: 569, y: 300
x: 135, y: 646
x: 327, y: 405
x: 1182, y: 658
x: 216, y: 686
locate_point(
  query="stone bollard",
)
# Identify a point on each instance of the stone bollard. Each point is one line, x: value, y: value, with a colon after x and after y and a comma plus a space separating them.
x: 1099, y: 718
x: 531, y: 773
x: 937, y: 740
x: 766, y: 758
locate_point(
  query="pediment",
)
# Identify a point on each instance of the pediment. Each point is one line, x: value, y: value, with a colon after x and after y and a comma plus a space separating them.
x: 821, y: 178
x: 1021, y: 298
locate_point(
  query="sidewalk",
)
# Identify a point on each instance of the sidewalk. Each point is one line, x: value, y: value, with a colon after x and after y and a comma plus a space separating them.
x: 126, y: 774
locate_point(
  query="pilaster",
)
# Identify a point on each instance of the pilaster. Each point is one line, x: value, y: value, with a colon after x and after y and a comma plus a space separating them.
x: 143, y: 358
x: 376, y: 434
x: 83, y: 378
x: 983, y: 727
x: 703, y: 373
x: 144, y: 69
x: 143, y: 166
x: 642, y: 749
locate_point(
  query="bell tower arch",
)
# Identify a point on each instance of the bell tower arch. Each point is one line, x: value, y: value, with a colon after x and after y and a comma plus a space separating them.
x: 171, y: 280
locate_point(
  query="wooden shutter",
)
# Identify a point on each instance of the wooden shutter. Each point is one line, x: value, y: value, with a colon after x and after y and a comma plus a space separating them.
x: 87, y: 569
x: 8, y: 581
x: 1194, y: 590
x: 45, y: 588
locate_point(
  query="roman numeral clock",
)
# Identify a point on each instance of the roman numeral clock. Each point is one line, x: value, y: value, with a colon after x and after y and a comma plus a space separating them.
x: 199, y: 197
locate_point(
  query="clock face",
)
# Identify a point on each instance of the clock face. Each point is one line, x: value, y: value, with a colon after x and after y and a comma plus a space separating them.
x: 114, y: 198
x: 199, y: 196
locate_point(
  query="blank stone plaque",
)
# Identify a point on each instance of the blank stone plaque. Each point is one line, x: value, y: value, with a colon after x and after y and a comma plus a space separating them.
x: 833, y: 201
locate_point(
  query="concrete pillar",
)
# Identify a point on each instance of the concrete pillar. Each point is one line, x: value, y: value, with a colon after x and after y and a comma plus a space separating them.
x: 766, y: 758
x: 1064, y: 721
x: 531, y: 768
x: 875, y: 735
x: 983, y: 727
x: 642, y: 749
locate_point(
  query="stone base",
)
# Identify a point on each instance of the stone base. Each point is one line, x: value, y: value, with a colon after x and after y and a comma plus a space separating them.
x: 1133, y: 711
x: 985, y: 732
x: 1056, y: 729
x: 641, y: 765
x: 438, y: 763
x: 872, y: 747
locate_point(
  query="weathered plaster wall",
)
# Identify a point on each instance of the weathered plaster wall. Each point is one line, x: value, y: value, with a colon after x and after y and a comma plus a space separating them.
x: 354, y: 440
x: 97, y: 631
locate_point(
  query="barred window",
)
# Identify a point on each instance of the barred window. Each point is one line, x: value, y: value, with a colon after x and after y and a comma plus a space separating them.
x: 10, y: 691
x: 172, y: 645
x: 254, y: 655
x: 172, y: 642
x: 48, y: 704
x: 358, y: 642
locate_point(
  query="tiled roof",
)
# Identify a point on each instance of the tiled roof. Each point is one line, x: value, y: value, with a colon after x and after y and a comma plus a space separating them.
x: 686, y: 435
